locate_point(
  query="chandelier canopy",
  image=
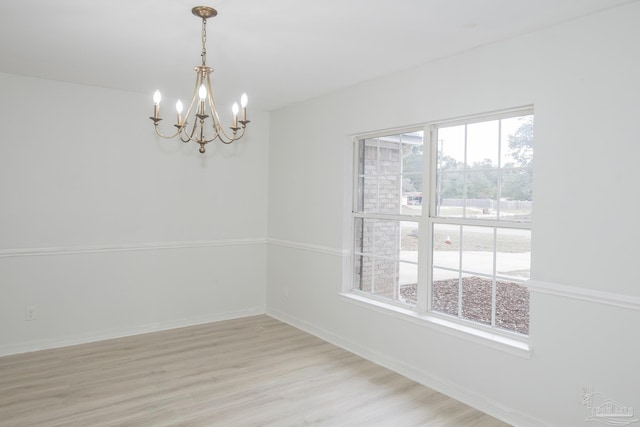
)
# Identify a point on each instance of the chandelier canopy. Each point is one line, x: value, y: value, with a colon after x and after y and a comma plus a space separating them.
x: 202, y: 105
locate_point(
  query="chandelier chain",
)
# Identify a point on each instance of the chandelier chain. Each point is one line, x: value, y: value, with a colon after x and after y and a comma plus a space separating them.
x: 204, y: 41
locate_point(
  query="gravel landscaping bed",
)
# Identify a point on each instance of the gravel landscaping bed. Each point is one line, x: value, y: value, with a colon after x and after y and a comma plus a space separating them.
x: 512, y: 301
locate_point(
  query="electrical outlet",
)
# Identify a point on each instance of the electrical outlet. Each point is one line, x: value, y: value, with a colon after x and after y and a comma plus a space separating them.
x: 30, y: 312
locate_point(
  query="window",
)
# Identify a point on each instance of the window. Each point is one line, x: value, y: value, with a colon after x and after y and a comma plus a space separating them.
x: 442, y: 219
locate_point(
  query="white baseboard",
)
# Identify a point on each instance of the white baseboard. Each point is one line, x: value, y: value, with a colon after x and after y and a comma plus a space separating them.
x: 26, y: 347
x: 456, y: 391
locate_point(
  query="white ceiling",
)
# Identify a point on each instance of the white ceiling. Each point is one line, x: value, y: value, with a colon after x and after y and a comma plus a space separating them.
x: 278, y: 51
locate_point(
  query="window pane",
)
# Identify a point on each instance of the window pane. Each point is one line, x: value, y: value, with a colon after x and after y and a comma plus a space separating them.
x: 482, y: 194
x: 517, y: 141
x: 381, y: 237
x: 380, y: 181
x: 385, y: 258
x: 408, y: 279
x: 449, y: 194
x: 515, y: 194
x: 412, y: 166
x: 483, y: 141
x: 444, y: 291
x: 409, y: 241
x: 477, y: 249
x: 385, y: 277
x: 369, y: 157
x: 412, y: 194
x: 363, y: 273
x: 512, y: 307
x: 412, y: 158
x: 380, y: 195
x: 446, y: 246
x: 513, y: 252
x: 451, y: 146
x: 408, y: 283
x: 477, y: 296
x: 389, y: 155
x: 389, y: 194
x: 369, y: 193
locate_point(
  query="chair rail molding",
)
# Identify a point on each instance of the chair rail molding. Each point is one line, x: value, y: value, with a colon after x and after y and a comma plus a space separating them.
x: 125, y: 247
x: 585, y: 294
x: 309, y: 247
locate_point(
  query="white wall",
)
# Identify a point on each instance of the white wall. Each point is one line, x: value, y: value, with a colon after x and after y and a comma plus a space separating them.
x: 109, y: 230
x: 582, y: 78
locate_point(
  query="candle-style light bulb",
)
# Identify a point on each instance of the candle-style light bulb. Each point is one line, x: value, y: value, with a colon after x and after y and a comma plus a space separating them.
x: 156, y: 103
x: 243, y: 101
x: 202, y: 93
x: 179, y: 110
x: 235, y: 110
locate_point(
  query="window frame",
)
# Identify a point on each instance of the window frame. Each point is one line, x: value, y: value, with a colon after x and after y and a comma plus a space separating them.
x: 425, y: 223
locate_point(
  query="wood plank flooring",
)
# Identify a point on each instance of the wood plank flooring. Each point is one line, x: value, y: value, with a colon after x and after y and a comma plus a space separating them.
x: 254, y: 371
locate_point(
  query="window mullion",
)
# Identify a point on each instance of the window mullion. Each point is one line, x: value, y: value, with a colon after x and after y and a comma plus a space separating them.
x: 499, y: 172
x: 358, y: 193
x: 486, y: 223
x: 425, y: 228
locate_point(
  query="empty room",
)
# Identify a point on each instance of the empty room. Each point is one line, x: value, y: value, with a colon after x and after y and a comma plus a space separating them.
x: 341, y: 213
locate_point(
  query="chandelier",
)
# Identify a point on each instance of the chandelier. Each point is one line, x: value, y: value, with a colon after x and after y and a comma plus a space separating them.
x: 203, y: 107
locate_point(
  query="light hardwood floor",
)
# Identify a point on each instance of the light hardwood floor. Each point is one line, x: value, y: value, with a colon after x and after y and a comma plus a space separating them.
x: 254, y: 371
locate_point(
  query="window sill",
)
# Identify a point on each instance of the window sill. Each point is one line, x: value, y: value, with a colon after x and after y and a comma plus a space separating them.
x: 493, y: 340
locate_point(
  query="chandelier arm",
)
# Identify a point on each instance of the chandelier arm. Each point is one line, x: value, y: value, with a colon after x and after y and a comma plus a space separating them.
x: 194, y: 96
x: 223, y: 137
x: 220, y: 132
x: 232, y: 140
x: 165, y: 136
x: 216, y: 125
x: 183, y: 135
